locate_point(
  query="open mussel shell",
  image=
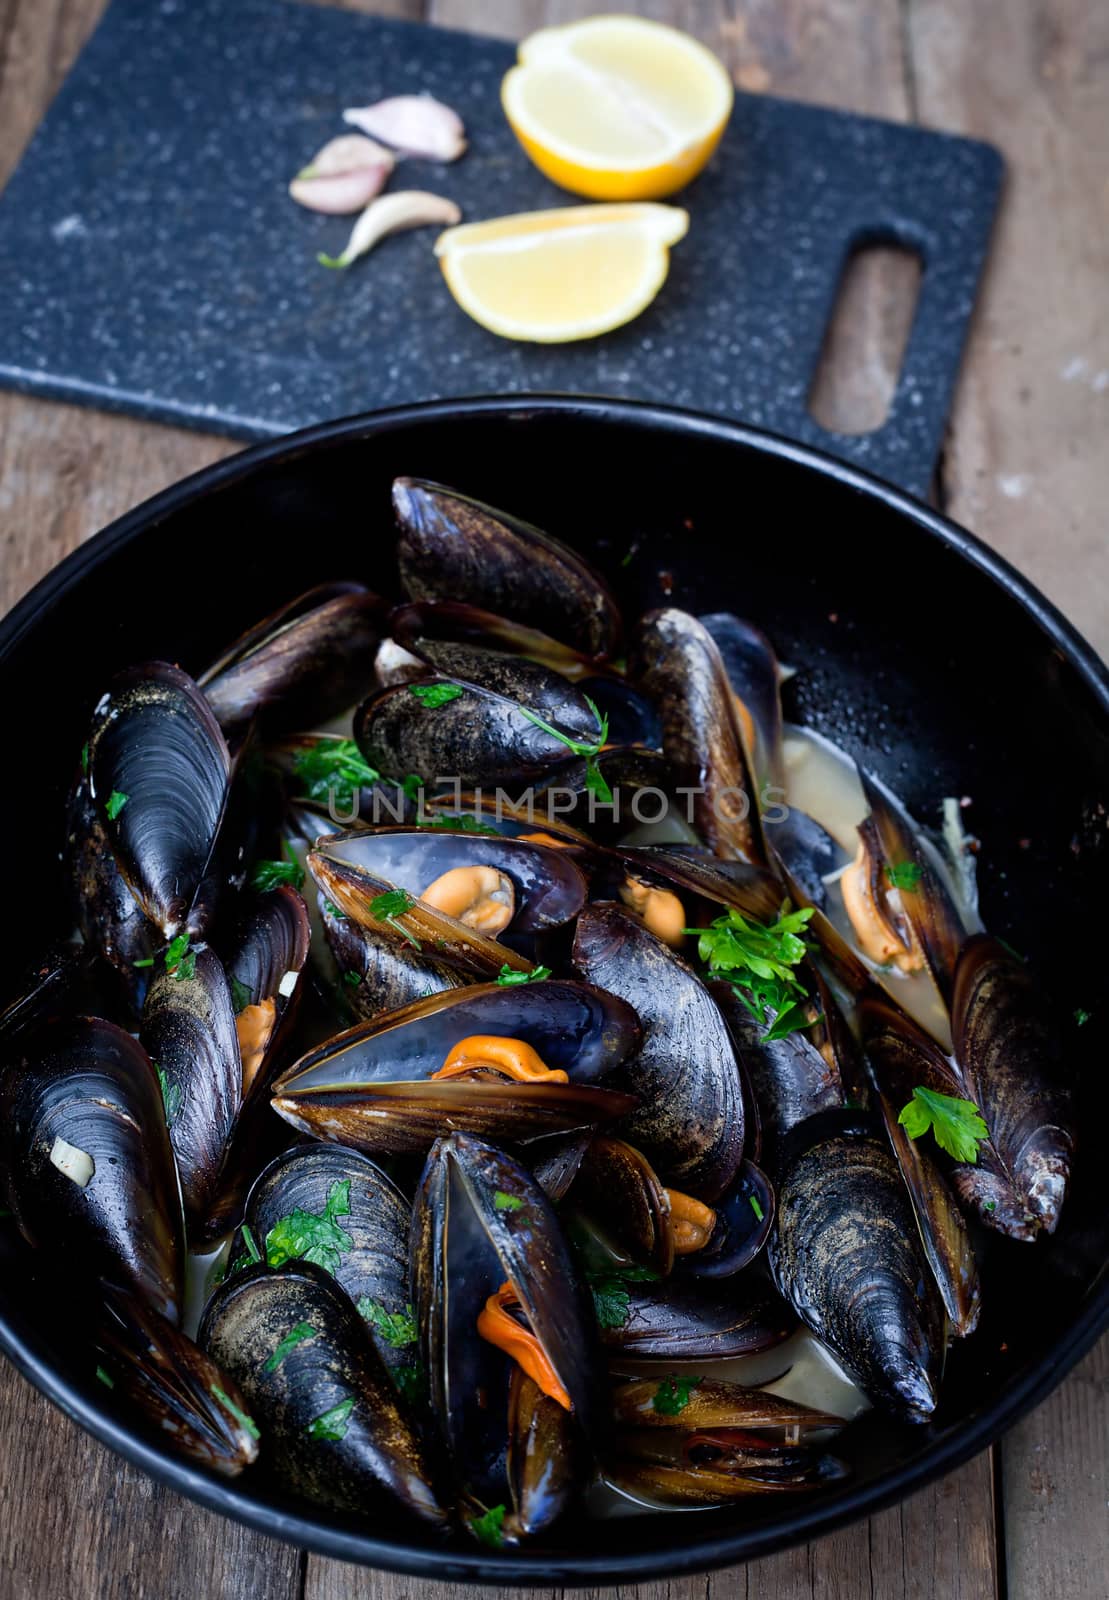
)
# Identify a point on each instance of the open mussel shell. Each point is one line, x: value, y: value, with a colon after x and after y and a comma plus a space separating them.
x: 477, y: 810
x: 744, y: 1218
x: 332, y: 1427
x: 454, y: 548
x: 368, y: 1250
x: 616, y: 1184
x: 373, y: 1087
x: 89, y: 1171
x: 755, y: 679
x: 301, y: 665
x: 157, y: 749
x: 677, y: 1320
x: 188, y: 1031
x: 696, y: 876
x: 902, y: 1056
x: 546, y: 1463
x: 847, y: 1256
x: 481, y: 1221
x: 690, y: 1118
x: 64, y: 981
x: 674, y: 659
x: 481, y: 736
x: 711, y: 1403
x: 162, y: 1374
x: 641, y: 783
x: 382, y: 973
x: 428, y: 631
x: 698, y: 1487
x: 1008, y: 1055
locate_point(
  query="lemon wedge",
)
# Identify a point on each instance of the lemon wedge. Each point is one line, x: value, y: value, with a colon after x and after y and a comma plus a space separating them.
x: 617, y: 108
x: 552, y: 276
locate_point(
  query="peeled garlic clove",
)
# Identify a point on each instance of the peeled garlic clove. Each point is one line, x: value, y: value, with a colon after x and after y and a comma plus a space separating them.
x: 393, y: 213
x: 344, y: 176
x: 414, y: 123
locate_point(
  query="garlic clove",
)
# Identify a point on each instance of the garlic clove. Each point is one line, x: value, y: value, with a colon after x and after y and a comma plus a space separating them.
x: 393, y: 213
x: 414, y: 123
x: 344, y: 176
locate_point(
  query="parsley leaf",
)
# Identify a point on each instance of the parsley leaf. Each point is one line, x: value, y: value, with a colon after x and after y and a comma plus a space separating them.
x: 239, y: 1415
x: 269, y: 875
x: 241, y: 996
x: 411, y: 1382
x: 1082, y: 1017
x: 489, y: 1527
x: 171, y: 1095
x: 313, y: 1236
x: 397, y: 1328
x: 115, y: 805
x: 956, y: 1124
x: 410, y: 786
x: 594, y: 778
x: 506, y: 1202
x: 611, y: 1302
x: 332, y: 1424
x: 904, y: 875
x: 755, y: 1207
x: 758, y: 962
x: 333, y: 770
x: 389, y: 906
x: 295, y: 1336
x: 84, y: 759
x: 433, y: 695
x: 105, y: 1378
x: 508, y: 976
x: 673, y: 1395
x: 460, y: 822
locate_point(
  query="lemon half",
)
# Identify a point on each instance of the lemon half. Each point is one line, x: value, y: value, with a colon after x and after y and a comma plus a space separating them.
x: 552, y: 276
x: 617, y: 108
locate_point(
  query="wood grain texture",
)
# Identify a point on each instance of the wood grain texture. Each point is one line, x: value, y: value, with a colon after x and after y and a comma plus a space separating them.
x: 1025, y: 467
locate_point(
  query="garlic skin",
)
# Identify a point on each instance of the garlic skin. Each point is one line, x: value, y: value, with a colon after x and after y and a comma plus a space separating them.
x: 413, y: 123
x: 344, y: 176
x: 393, y: 213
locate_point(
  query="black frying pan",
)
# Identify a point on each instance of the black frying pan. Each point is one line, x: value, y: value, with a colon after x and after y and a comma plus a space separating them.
x: 920, y: 651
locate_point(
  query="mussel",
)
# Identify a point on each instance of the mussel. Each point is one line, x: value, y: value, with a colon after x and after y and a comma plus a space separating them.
x: 333, y: 1427
x: 496, y: 1293
x: 846, y: 1255
x: 690, y: 1119
x: 380, y: 972
x: 302, y: 664
x: 88, y: 1167
x: 509, y: 1061
x: 455, y: 548
x: 678, y: 1320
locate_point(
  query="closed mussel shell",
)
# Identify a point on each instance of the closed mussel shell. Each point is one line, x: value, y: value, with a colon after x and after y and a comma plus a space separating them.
x: 89, y: 1169
x: 333, y: 1429
x: 676, y: 1320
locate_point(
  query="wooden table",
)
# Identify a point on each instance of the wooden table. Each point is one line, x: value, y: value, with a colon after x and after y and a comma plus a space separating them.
x: 1025, y: 466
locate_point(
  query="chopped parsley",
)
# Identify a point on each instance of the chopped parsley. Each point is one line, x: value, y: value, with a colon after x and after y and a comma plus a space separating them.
x: 396, y: 1328
x: 758, y: 962
x: 332, y: 1424
x: 85, y: 764
x: 171, y: 1095
x: 269, y: 875
x: 508, y: 975
x: 295, y: 1336
x: 611, y: 1299
x: 115, y: 805
x: 389, y: 906
x: 904, y: 875
x: 105, y: 1377
x: 332, y: 771
x: 410, y: 786
x: 463, y: 822
x: 433, y: 695
x: 237, y: 1412
x: 753, y: 1202
x: 333, y: 910
x: 313, y: 1236
x: 1081, y: 1017
x: 595, y: 781
x: 673, y: 1395
x: 488, y: 1529
x: 411, y: 1382
x: 507, y: 1202
x: 956, y: 1124
x: 989, y: 1205
x: 352, y: 979
x: 241, y: 996
x: 251, y: 1252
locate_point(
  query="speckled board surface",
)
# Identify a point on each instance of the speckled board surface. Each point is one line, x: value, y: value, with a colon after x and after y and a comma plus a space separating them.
x: 151, y: 260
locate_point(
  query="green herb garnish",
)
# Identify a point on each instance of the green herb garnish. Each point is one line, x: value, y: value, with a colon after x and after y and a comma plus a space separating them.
x: 105, y: 1378
x: 673, y: 1395
x: 148, y: 961
x: 175, y: 950
x: 239, y: 1415
x: 332, y: 771
x: 397, y: 1328
x: 753, y: 1202
x: 506, y: 1202
x: 295, y: 1336
x: 352, y: 979
x: 389, y: 906
x: 463, y: 822
x: 590, y: 749
x: 269, y: 875
x: 241, y: 996
x: 333, y: 910
x: 904, y: 875
x: 115, y: 805
x: 758, y: 962
x: 1082, y: 1017
x: 313, y: 1236
x: 507, y: 975
x: 411, y: 1382
x: 411, y: 785
x: 989, y: 1205
x: 171, y: 1095
x: 488, y: 1529
x: 956, y: 1124
x: 611, y: 1302
x: 251, y: 1254
x: 85, y: 762
x: 433, y: 695
x: 332, y: 1424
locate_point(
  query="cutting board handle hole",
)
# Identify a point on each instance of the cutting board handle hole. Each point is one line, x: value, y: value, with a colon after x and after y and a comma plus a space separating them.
x: 864, y: 343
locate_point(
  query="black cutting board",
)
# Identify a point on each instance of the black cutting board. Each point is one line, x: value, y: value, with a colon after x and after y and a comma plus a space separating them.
x: 151, y: 260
